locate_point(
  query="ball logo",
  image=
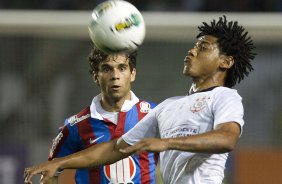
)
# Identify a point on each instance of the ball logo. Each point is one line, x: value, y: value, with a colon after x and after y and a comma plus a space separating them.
x: 122, y: 171
x: 133, y: 20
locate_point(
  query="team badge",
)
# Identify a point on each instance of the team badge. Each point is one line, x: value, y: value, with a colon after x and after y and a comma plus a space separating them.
x: 144, y: 107
x: 200, y: 104
x: 122, y: 171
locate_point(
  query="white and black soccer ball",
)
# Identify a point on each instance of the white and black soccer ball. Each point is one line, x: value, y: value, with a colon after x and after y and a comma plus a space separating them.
x: 116, y: 26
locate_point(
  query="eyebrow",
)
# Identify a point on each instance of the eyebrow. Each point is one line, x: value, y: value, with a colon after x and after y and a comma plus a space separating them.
x: 204, y: 42
x: 107, y: 65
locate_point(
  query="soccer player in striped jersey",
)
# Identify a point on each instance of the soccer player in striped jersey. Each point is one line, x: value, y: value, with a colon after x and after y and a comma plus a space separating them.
x: 111, y: 114
x: 195, y: 132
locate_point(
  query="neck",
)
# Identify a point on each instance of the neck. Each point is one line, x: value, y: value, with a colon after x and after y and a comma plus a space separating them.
x: 112, y: 104
x: 203, y: 83
x: 200, y: 85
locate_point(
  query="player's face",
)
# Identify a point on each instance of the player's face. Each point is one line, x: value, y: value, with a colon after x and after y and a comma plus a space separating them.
x: 114, y: 77
x: 203, y: 60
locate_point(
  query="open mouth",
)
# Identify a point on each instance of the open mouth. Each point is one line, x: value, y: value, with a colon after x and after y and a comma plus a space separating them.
x: 115, y: 87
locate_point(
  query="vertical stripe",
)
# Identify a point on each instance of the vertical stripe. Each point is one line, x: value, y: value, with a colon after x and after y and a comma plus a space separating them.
x: 111, y: 130
x: 137, y: 177
x: 119, y: 165
x: 113, y: 172
x: 123, y: 170
x: 126, y: 169
x: 105, y: 131
x: 132, y: 166
x: 144, y: 164
x: 108, y: 170
x: 131, y: 118
x: 152, y: 166
x: 120, y: 125
x: 86, y: 132
x: 143, y: 159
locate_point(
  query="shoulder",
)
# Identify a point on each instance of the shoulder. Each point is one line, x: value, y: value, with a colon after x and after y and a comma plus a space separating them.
x: 225, y: 92
x: 171, y: 100
x: 167, y: 102
x: 83, y: 115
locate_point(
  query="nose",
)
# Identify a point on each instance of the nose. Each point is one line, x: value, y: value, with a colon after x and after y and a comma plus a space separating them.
x: 192, y: 52
x: 115, y: 74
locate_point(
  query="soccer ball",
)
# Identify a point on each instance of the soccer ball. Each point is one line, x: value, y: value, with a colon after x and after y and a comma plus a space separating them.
x: 116, y: 26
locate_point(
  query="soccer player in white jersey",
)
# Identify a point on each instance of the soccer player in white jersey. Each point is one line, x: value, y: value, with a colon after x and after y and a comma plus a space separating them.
x: 193, y: 133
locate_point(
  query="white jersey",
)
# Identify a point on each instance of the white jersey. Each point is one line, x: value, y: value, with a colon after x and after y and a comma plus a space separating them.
x: 187, y: 116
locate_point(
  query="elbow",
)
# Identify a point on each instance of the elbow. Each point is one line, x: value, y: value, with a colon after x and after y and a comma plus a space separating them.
x: 229, y: 145
x: 229, y: 148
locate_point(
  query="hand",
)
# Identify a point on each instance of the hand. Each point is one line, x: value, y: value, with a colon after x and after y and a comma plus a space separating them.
x: 150, y: 145
x: 47, y: 170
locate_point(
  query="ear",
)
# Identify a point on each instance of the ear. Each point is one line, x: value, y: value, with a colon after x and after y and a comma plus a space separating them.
x: 132, y: 75
x: 226, y: 62
x: 95, y: 79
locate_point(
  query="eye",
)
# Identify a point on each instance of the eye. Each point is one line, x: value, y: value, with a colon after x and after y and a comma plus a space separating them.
x: 123, y: 68
x: 105, y: 69
x: 201, y: 47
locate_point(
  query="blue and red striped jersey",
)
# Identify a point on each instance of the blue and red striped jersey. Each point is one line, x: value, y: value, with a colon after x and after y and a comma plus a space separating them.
x: 82, y: 131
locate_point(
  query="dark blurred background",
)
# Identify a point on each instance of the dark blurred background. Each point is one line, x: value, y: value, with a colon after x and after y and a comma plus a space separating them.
x: 153, y: 5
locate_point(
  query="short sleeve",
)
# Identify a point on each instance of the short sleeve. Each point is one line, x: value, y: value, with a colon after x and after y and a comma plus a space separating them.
x: 63, y: 144
x: 228, y: 107
x: 147, y: 127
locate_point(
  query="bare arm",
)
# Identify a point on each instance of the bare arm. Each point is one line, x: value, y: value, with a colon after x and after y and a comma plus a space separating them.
x: 222, y: 139
x: 100, y: 154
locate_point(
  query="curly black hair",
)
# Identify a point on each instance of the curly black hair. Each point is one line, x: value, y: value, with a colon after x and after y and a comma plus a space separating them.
x: 233, y: 41
x: 96, y: 57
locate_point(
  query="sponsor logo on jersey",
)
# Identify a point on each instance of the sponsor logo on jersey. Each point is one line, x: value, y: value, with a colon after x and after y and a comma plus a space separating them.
x: 200, y: 104
x: 181, y: 131
x: 95, y: 140
x: 74, y: 119
x: 55, y: 143
x: 122, y: 171
x: 145, y: 107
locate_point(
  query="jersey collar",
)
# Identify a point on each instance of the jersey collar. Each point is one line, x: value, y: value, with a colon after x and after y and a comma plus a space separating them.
x: 204, y: 90
x: 128, y: 104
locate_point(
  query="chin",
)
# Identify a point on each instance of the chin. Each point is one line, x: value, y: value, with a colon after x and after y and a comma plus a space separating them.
x: 116, y: 95
x: 186, y: 73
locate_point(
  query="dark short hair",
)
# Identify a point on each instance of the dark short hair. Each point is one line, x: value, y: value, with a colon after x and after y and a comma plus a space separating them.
x: 233, y: 41
x: 96, y: 57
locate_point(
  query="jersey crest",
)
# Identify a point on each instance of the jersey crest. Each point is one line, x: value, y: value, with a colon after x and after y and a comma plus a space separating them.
x: 144, y: 107
x: 200, y: 104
